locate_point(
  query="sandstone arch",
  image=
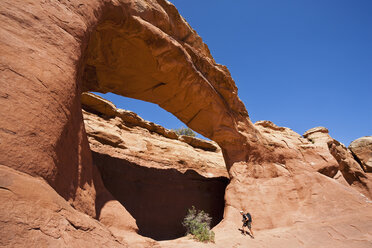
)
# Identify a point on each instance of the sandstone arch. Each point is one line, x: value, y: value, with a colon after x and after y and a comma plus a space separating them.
x: 54, y: 50
x: 132, y: 54
x: 140, y: 49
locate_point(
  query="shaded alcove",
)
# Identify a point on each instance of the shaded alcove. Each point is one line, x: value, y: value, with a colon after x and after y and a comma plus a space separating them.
x: 159, y: 198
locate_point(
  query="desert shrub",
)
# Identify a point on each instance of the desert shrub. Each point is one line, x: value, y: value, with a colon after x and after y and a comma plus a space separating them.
x: 197, y: 224
x: 185, y: 131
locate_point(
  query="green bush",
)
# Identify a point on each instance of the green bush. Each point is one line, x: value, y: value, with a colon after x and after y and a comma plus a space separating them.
x: 197, y: 224
x: 185, y: 131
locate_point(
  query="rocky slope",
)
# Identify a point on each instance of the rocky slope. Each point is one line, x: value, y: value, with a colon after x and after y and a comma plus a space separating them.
x: 299, y: 189
x: 54, y: 184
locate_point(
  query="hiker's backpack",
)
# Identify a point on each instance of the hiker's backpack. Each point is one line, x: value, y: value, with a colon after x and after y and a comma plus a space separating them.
x: 248, y: 217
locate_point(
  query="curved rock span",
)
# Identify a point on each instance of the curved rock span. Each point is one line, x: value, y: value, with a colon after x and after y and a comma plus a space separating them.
x: 52, y: 51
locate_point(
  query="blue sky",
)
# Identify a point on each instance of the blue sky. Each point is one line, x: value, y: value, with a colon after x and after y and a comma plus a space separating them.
x: 297, y: 63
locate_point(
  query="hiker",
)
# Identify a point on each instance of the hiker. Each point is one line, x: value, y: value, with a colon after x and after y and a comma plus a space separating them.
x: 247, y: 222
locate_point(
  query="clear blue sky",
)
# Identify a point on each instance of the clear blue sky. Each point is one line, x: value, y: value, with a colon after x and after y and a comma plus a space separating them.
x: 297, y: 63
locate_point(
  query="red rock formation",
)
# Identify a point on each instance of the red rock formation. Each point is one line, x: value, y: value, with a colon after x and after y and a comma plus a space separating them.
x: 54, y: 50
x: 346, y: 166
x: 264, y: 186
x: 156, y: 176
x: 362, y: 150
x: 34, y: 215
x: 165, y: 62
x: 159, y: 198
x: 102, y: 107
x: 139, y: 165
x: 350, y: 169
x: 135, y: 144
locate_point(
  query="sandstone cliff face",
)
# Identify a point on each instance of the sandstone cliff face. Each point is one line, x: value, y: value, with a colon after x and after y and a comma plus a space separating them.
x: 34, y: 215
x: 54, y: 50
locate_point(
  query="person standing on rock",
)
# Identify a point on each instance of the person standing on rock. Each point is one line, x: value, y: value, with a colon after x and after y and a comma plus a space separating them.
x: 247, y: 222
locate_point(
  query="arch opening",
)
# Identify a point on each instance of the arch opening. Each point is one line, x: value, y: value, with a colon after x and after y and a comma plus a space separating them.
x: 148, y: 111
x: 155, y: 176
x: 134, y: 56
x: 131, y: 57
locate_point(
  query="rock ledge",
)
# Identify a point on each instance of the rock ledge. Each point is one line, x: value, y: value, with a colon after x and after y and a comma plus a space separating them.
x: 98, y: 105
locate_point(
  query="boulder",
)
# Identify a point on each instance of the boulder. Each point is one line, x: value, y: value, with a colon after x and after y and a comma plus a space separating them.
x: 319, y: 137
x: 350, y: 168
x: 198, y: 143
x: 362, y: 150
x: 347, y: 168
x: 98, y: 105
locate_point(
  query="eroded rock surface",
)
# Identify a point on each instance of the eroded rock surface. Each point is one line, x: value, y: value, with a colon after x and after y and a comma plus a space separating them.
x: 127, y: 119
x: 136, y: 144
x: 302, y: 185
x: 351, y: 169
x: 362, y: 150
x: 155, y: 174
x: 311, y: 153
x: 34, y: 215
x: 53, y: 50
x: 347, y: 168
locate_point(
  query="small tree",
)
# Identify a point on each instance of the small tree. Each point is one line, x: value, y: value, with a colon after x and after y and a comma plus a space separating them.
x: 197, y: 223
x: 185, y: 131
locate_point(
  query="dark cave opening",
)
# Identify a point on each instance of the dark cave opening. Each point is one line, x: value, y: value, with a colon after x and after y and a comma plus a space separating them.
x: 159, y: 198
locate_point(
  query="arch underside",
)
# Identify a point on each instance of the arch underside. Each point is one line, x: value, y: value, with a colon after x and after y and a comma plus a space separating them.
x: 168, y: 64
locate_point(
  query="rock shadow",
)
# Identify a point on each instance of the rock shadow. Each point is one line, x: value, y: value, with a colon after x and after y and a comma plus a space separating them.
x: 159, y: 198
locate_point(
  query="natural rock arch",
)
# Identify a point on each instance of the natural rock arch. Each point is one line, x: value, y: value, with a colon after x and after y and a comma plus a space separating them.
x: 52, y: 51
x: 135, y: 53
x: 139, y: 49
